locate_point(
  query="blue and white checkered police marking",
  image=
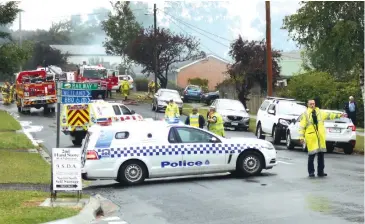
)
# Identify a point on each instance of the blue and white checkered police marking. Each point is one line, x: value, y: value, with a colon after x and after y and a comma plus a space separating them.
x: 174, y: 149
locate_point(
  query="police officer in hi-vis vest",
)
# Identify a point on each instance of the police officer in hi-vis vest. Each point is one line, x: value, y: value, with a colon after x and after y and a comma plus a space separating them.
x: 195, y: 119
x: 215, y: 121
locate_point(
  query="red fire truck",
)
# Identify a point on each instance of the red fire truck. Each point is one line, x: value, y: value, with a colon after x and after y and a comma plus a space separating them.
x: 94, y: 74
x: 34, y: 89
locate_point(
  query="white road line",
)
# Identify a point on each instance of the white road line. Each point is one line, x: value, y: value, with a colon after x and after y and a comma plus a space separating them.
x: 285, y: 163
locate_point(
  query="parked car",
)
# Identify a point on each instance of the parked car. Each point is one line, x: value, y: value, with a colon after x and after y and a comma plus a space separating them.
x: 233, y: 112
x: 162, y: 98
x: 209, y: 97
x: 120, y: 78
x: 192, y: 93
x: 340, y: 133
x: 274, y: 117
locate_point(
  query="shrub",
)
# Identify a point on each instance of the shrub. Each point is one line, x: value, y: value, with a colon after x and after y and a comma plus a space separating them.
x: 171, y: 85
x: 203, y: 83
x: 331, y: 93
x: 141, y: 84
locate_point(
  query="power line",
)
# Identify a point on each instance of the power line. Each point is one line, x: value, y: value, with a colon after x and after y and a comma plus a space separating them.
x: 188, y: 33
x: 199, y: 32
x: 188, y: 24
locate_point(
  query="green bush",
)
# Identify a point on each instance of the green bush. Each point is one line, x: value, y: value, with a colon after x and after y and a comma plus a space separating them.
x: 331, y: 93
x: 203, y: 83
x: 141, y: 84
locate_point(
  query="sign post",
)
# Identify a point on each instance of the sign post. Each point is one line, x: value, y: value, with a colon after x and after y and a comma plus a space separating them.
x: 66, y: 163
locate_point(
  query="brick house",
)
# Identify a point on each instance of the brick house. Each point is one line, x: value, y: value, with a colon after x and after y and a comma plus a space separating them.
x: 211, y: 67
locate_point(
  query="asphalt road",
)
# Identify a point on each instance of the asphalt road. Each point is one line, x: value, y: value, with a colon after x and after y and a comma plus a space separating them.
x: 282, y: 195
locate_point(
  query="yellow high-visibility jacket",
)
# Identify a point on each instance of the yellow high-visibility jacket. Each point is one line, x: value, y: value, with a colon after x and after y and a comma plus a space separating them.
x: 315, y: 138
x: 172, y: 110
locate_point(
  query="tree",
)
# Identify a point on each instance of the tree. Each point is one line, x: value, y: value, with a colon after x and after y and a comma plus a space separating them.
x: 171, y: 48
x: 332, y: 33
x: 250, y: 66
x: 121, y: 29
x: 331, y: 92
x: 44, y: 55
x: 11, y: 55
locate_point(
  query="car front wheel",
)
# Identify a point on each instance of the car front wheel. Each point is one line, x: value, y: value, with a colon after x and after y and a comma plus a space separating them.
x: 132, y: 173
x: 276, y: 135
x: 259, y: 132
x: 250, y: 163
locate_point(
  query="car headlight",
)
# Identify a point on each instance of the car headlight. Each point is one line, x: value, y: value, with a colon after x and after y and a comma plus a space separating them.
x: 268, y: 146
x: 284, y: 122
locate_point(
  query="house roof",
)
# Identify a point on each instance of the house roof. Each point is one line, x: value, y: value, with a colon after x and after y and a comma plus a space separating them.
x: 81, y: 50
x: 179, y: 67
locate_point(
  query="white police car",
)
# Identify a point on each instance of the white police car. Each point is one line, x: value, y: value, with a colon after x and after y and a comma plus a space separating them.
x: 153, y: 149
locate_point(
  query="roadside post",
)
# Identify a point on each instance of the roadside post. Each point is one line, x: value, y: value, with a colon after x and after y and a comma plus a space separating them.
x: 66, y: 162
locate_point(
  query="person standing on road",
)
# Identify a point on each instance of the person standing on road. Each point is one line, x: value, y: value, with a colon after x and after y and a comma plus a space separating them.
x: 215, y: 122
x: 5, y: 91
x: 172, y: 110
x: 351, y: 109
x: 312, y: 133
x: 124, y: 88
x: 113, y: 80
x: 195, y: 119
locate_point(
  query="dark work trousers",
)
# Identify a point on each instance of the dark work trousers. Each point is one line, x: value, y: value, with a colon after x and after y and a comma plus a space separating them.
x: 320, y: 161
x: 109, y: 93
x: 352, y: 116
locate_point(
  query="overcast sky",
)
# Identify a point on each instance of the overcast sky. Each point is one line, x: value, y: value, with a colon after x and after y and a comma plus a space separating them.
x: 39, y: 14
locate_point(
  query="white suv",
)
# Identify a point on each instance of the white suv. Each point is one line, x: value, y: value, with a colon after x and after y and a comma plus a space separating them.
x: 274, y: 117
x: 340, y: 132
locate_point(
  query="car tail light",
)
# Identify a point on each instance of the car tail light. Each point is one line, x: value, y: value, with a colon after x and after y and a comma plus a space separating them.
x: 353, y: 128
x: 92, y: 155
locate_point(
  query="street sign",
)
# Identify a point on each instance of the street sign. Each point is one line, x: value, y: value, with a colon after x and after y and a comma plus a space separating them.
x: 79, y: 85
x: 66, y: 169
x: 72, y: 92
x: 74, y: 99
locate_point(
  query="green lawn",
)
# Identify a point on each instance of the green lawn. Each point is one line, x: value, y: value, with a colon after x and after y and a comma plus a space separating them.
x: 13, y: 140
x: 8, y: 123
x: 359, y: 147
x: 21, y: 167
x: 252, y: 125
x: 21, y: 207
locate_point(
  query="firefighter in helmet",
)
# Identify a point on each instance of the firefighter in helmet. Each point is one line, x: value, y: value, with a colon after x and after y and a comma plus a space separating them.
x: 124, y: 88
x: 5, y: 91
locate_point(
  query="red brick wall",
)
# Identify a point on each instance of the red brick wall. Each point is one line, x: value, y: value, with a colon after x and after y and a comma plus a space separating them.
x: 210, y: 68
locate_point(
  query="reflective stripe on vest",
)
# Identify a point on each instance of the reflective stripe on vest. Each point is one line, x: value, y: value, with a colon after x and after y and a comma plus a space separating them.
x: 194, y: 120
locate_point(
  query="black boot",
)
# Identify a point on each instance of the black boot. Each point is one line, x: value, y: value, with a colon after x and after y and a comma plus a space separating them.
x: 311, y: 175
x: 322, y: 174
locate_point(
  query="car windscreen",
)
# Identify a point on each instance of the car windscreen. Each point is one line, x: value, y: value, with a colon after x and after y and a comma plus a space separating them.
x: 94, y: 73
x: 170, y: 95
x: 194, y: 88
x: 231, y: 105
x: 288, y: 108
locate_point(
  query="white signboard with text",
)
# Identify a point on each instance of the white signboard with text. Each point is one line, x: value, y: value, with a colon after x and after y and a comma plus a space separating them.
x: 66, y: 165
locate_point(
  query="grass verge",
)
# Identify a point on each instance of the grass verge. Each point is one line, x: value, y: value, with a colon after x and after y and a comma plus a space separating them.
x: 187, y: 109
x: 22, y: 207
x: 13, y: 140
x: 19, y: 167
x: 252, y: 125
x: 359, y: 147
x: 8, y: 123
x: 133, y: 95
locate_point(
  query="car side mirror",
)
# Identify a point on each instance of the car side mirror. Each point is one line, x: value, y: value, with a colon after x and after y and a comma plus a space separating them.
x: 247, y: 110
x: 293, y: 121
x: 271, y: 112
x: 213, y: 139
x: 133, y: 112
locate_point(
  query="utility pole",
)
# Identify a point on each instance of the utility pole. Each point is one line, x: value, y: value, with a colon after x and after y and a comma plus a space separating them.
x: 20, y: 36
x: 268, y: 49
x: 155, y: 51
